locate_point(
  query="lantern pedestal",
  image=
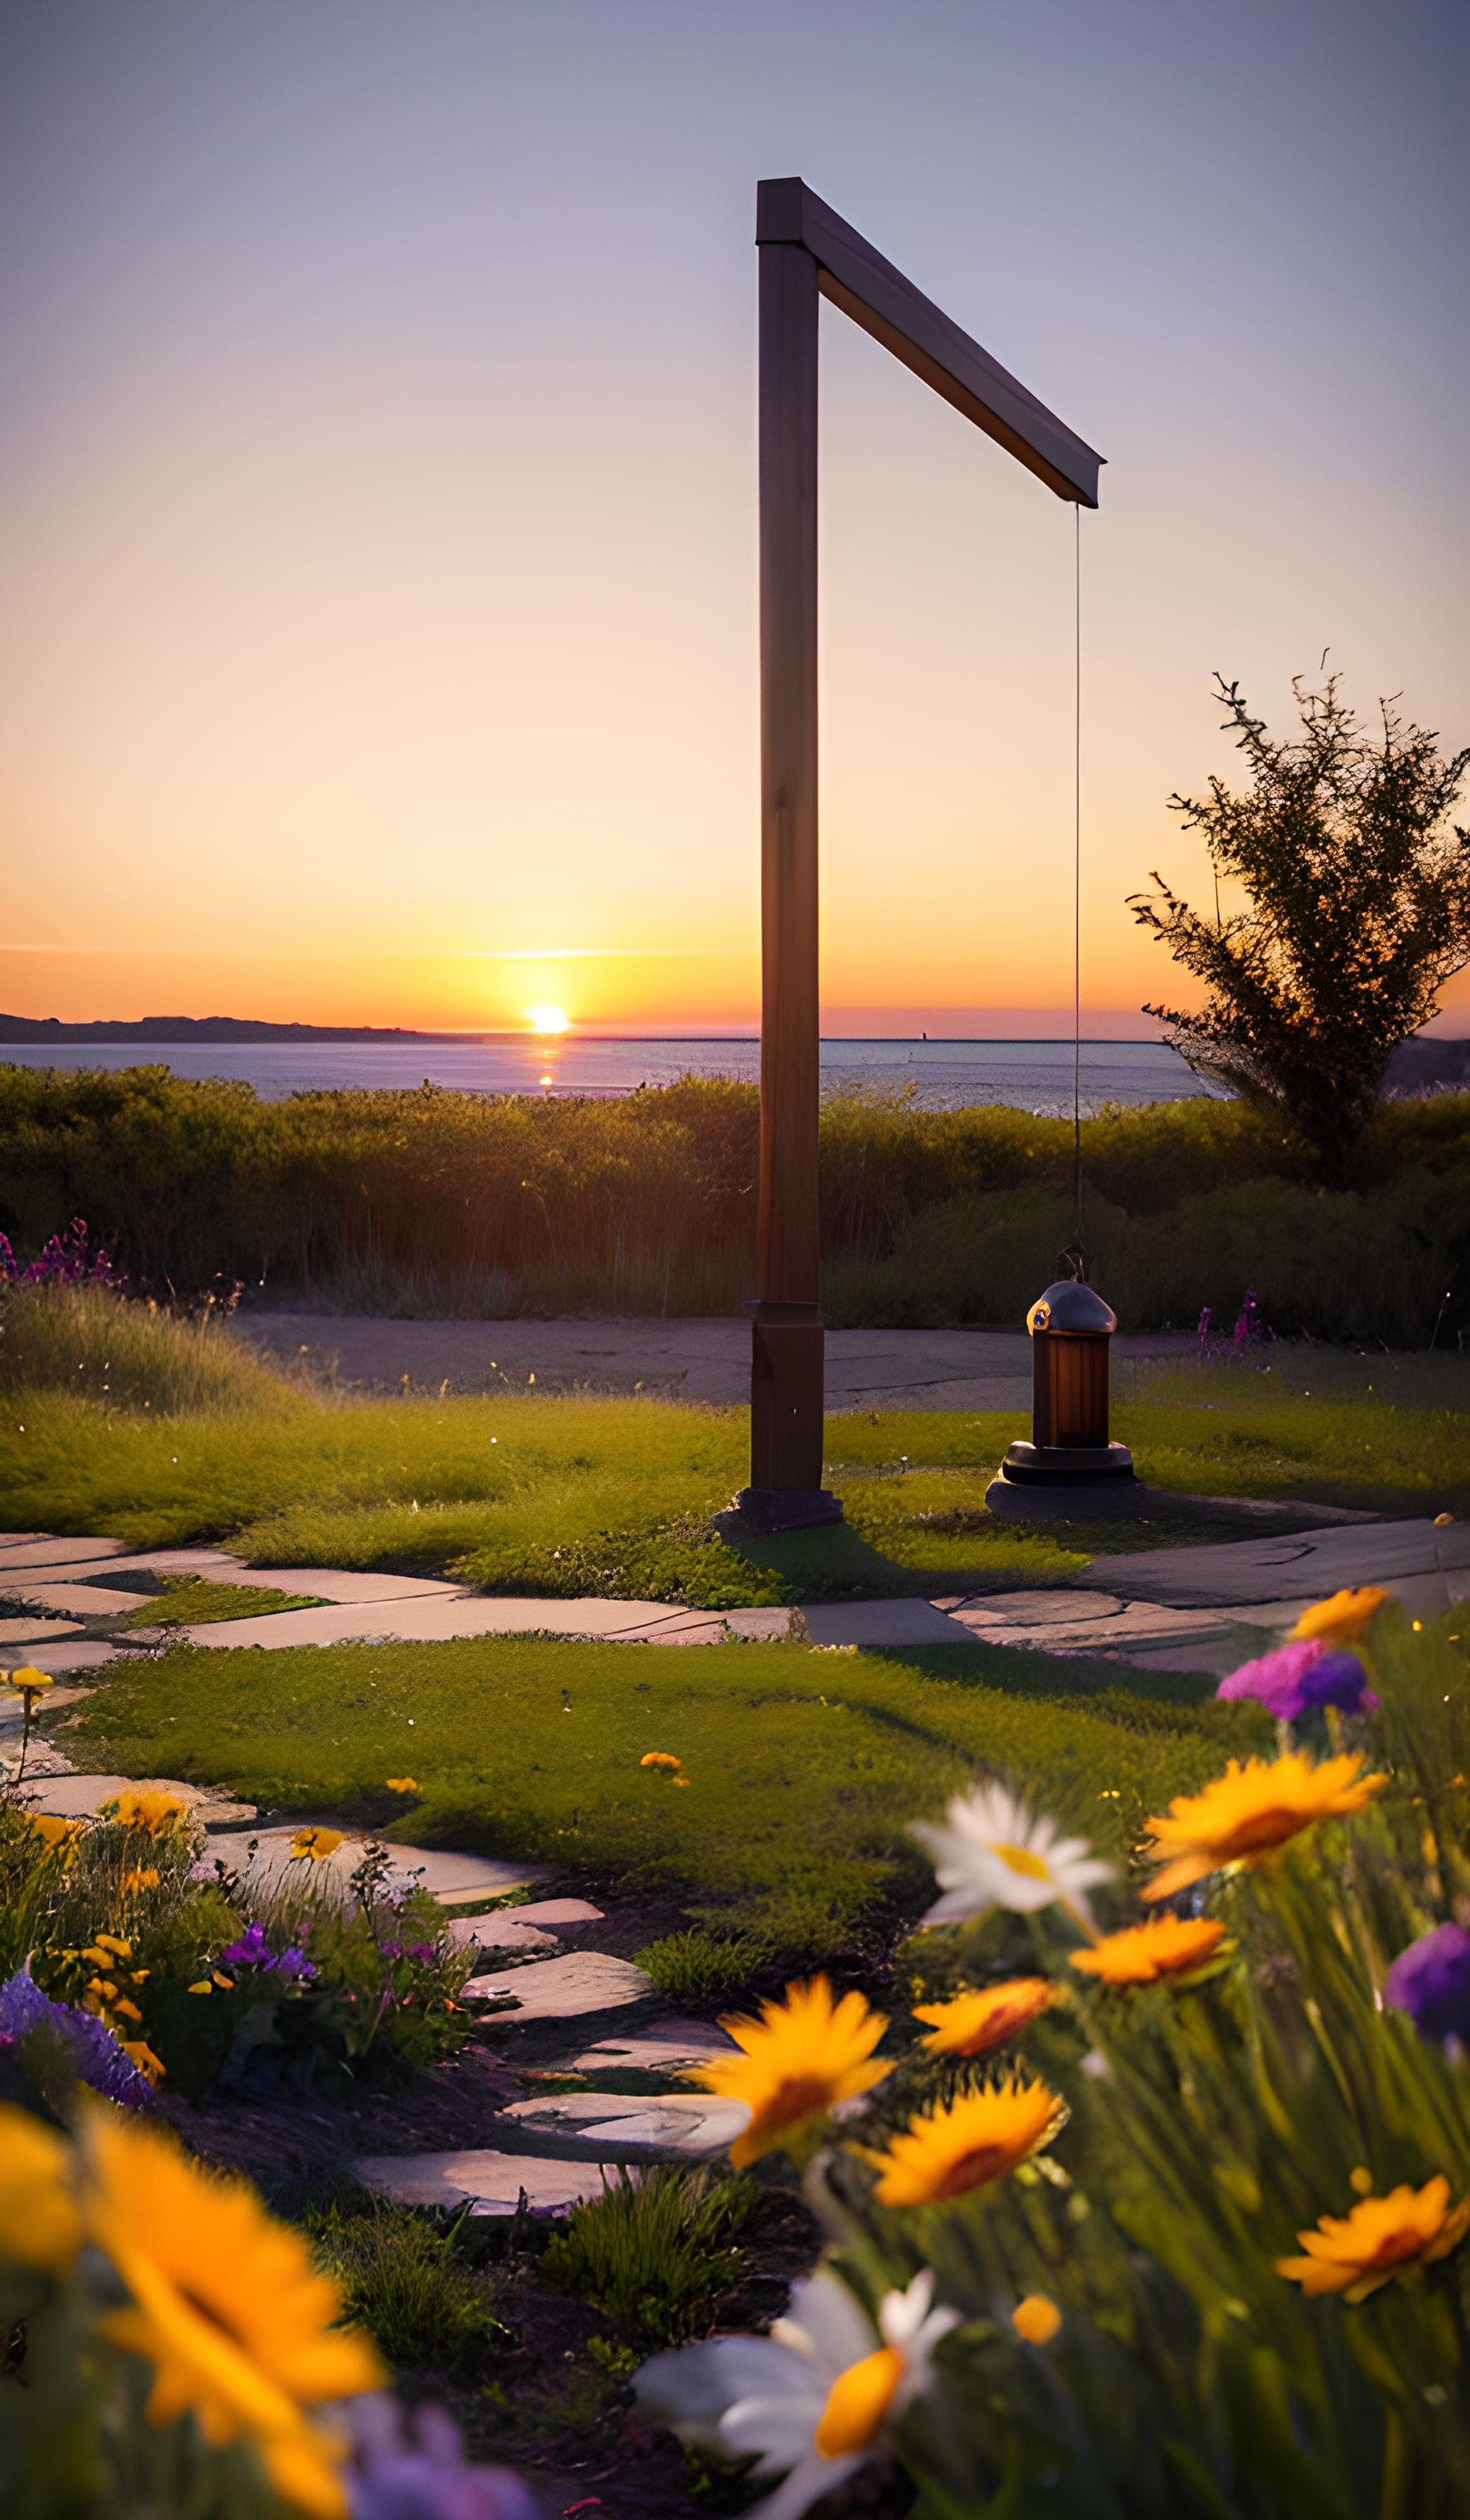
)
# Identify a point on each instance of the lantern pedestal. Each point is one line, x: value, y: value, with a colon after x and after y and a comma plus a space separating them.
x: 1078, y: 1464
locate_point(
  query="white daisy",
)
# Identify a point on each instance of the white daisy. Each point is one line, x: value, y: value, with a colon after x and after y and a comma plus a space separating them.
x: 991, y: 1852
x: 814, y: 2397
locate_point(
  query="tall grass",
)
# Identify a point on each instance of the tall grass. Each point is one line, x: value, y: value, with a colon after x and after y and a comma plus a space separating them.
x: 96, y: 1346
x: 490, y: 1205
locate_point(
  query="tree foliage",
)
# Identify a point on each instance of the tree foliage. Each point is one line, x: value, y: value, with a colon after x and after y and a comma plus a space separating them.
x: 1358, y: 912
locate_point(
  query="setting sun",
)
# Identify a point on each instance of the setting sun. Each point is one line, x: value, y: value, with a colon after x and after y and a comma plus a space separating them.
x: 546, y: 1019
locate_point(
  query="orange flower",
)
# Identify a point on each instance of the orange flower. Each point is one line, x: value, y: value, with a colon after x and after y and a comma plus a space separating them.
x: 1037, y: 2319
x: 1382, y: 2237
x: 982, y: 2135
x: 401, y: 1784
x: 1343, y: 1618
x: 1161, y: 1947
x: 1244, y: 1816
x: 983, y: 2017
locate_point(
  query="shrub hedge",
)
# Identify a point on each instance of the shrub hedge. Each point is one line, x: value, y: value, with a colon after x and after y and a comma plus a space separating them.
x: 488, y: 1205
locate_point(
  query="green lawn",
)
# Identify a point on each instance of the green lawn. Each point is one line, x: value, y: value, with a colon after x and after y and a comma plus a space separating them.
x: 804, y: 1764
x: 198, y: 1440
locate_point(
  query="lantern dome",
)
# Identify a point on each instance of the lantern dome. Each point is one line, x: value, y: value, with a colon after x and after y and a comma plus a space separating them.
x: 1073, y: 1309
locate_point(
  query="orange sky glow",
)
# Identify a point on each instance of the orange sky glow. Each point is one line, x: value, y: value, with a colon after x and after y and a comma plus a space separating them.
x: 377, y: 625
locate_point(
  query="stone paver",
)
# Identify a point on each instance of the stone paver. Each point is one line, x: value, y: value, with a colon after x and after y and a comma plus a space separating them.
x: 610, y: 2124
x: 453, y: 1877
x: 1080, y: 1621
x: 454, y: 1613
x: 503, y: 1933
x: 38, y: 1548
x: 73, y: 1797
x: 532, y: 1925
x: 580, y: 1984
x: 84, y: 1600
x: 74, y: 1653
x: 19, y: 1632
x: 915, y: 1622
x: 670, y: 2046
x: 1298, y: 1567
x: 345, y: 1586
x: 555, y: 1913
x: 497, y: 2182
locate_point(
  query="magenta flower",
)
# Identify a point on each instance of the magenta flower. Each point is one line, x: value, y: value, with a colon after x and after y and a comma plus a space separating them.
x: 1297, y: 1678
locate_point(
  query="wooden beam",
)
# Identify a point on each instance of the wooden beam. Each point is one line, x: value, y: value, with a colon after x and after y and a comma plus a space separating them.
x: 855, y: 277
x: 785, y: 1362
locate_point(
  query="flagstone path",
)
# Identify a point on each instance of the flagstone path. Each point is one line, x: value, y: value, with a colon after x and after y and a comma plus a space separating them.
x: 579, y: 2014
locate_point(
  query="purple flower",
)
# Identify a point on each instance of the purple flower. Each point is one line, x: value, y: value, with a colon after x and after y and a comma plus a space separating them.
x: 391, y: 1951
x: 253, y: 1951
x: 97, y: 2055
x: 412, y: 2467
x: 1431, y: 1982
x: 1297, y: 1678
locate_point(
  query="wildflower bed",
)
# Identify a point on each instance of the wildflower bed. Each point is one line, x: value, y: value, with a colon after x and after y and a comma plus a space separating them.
x: 1140, y: 2171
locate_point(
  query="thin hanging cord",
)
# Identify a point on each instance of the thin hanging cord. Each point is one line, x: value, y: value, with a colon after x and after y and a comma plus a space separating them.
x: 1077, y: 869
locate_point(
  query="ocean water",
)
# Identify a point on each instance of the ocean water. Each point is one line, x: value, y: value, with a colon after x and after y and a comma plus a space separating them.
x: 941, y: 1075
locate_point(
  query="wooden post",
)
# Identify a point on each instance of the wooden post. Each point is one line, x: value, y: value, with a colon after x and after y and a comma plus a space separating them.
x: 807, y: 252
x: 786, y: 1338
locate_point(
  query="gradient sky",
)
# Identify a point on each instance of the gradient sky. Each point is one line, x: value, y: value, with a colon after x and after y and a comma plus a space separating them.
x: 377, y: 483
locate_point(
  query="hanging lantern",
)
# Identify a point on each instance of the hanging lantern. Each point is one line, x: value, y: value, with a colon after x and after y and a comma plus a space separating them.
x: 1070, y: 1329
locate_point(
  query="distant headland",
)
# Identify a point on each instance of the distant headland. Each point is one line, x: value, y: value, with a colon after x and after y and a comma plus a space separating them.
x: 180, y: 1028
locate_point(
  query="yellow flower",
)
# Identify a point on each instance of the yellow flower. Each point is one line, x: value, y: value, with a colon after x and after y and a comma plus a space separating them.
x: 142, y: 2056
x: 1037, y: 2319
x: 665, y: 1763
x: 1342, y: 1619
x: 1245, y: 1815
x: 983, y: 2017
x: 152, y: 1811
x: 56, y: 1835
x: 39, y: 2224
x: 226, y: 2305
x: 314, y: 1844
x: 403, y: 1784
x: 797, y: 2061
x: 1161, y: 1947
x: 141, y: 1877
x: 1380, y: 2238
x: 27, y: 1682
x: 980, y: 2137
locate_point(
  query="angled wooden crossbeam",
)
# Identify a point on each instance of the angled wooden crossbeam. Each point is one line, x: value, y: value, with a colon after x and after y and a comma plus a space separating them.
x: 807, y: 252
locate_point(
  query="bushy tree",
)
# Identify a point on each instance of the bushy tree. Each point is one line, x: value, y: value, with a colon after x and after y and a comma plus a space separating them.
x: 1358, y: 912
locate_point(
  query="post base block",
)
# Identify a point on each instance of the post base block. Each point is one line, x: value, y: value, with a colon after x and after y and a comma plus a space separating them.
x: 1067, y: 1465
x: 768, y: 1510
